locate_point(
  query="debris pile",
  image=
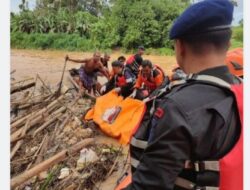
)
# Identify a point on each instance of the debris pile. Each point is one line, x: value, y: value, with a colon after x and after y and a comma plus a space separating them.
x: 51, y: 148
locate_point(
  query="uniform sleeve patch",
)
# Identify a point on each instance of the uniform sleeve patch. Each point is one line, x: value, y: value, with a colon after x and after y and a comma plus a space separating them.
x: 159, y: 112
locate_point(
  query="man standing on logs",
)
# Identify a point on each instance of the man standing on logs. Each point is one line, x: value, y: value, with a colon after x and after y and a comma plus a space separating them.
x: 88, y: 72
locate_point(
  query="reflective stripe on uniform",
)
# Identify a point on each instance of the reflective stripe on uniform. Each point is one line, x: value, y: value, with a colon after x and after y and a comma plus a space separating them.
x: 184, y: 183
x: 189, y: 185
x: 175, y: 83
x: 211, y: 188
x: 213, y: 79
x: 138, y: 143
x: 129, y: 80
x: 203, y: 165
x: 134, y: 162
x: 212, y: 165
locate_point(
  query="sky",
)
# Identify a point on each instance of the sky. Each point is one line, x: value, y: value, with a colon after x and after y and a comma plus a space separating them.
x: 238, y: 11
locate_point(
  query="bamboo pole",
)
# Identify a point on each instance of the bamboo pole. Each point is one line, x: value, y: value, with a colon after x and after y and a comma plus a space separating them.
x: 19, y: 143
x: 21, y: 88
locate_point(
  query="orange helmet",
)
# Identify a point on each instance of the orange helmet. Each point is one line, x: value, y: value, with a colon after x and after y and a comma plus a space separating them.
x: 234, y: 61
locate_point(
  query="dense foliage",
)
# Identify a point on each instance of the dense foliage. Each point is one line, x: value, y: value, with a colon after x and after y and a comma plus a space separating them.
x: 92, y: 24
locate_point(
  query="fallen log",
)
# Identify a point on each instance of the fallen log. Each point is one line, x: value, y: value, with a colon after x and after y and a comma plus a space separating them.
x: 47, y: 123
x: 24, y: 104
x: 65, y: 121
x: 35, y: 120
x: 21, y: 88
x: 17, y: 134
x: 22, y: 121
x: 18, y: 180
x: 21, y: 81
x: 19, y: 143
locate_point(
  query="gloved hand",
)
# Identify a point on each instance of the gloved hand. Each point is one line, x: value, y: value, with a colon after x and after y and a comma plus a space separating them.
x: 103, y: 89
x: 133, y: 93
x: 117, y: 90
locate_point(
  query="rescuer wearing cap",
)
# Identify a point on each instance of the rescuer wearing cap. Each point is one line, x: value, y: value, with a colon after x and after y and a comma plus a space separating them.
x: 194, y: 137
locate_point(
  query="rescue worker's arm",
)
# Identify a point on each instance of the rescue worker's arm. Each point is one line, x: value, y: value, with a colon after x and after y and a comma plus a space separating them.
x: 169, y: 147
x: 108, y: 86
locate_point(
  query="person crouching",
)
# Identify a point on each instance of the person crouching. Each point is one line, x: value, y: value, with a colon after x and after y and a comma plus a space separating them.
x: 149, y: 78
x: 122, y: 81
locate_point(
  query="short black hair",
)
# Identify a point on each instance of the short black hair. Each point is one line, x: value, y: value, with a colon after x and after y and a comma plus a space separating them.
x: 121, y: 58
x: 116, y: 64
x: 219, y: 39
x: 146, y: 63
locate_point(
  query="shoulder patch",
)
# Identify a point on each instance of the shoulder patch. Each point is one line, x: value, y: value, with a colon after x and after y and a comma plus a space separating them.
x: 159, y: 112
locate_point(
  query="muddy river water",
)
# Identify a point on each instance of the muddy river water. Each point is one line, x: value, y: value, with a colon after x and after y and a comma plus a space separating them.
x: 49, y: 63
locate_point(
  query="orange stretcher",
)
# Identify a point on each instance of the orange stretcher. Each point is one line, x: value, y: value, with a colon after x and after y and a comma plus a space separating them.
x: 117, y: 117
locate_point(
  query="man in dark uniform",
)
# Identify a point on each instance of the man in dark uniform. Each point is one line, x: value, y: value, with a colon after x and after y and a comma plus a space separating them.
x: 134, y: 61
x: 195, y: 121
x: 122, y: 80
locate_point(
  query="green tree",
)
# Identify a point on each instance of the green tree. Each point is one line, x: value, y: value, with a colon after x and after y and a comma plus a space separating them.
x: 145, y: 21
x: 94, y: 7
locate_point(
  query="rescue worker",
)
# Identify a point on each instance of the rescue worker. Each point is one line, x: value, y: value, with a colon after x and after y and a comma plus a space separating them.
x: 193, y: 138
x: 122, y: 81
x: 88, y: 72
x: 149, y: 78
x: 122, y: 59
x: 134, y: 62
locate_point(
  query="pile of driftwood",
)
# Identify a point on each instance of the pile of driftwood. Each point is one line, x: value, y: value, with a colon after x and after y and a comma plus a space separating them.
x: 47, y: 135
